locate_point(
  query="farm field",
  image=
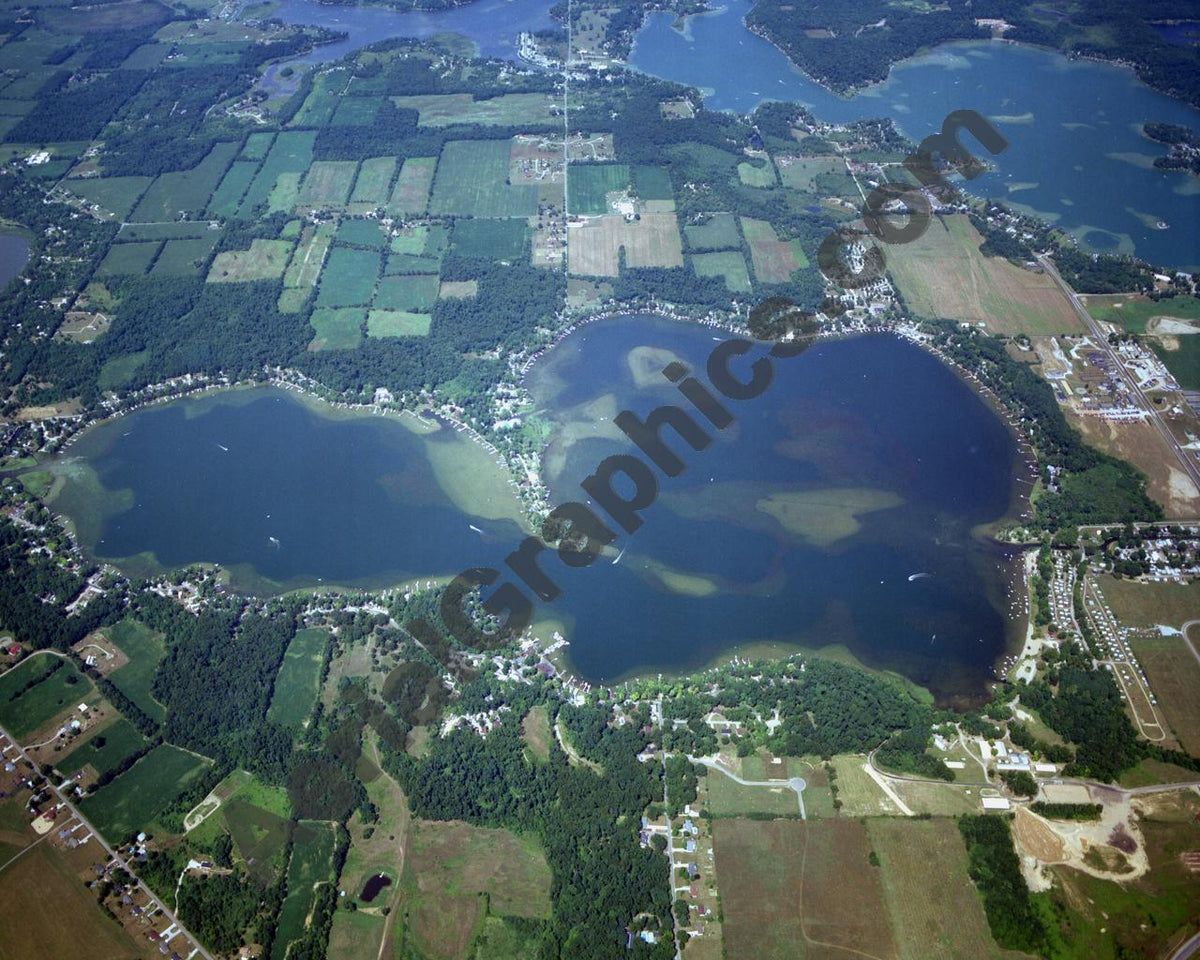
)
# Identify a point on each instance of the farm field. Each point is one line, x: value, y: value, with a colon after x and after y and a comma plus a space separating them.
x: 129, y: 259
x: 449, y: 865
x: 182, y: 257
x: 336, y: 328
x: 257, y: 145
x: 594, y: 246
x: 1139, y: 604
x: 117, y: 195
x: 506, y: 110
x: 397, y: 323
x: 728, y: 798
x: 943, y: 274
x: 319, y: 105
x: 361, y: 233
x: 934, y: 910
x: 305, y: 266
x: 860, y: 795
x: 227, y: 197
x: 718, y: 232
x: 265, y: 260
x: 938, y: 799
x: 131, y: 801
x: 536, y: 727
x: 48, y: 912
x: 1174, y: 676
x: 176, y: 230
x: 1181, y: 355
x: 371, y: 186
x: 410, y: 196
x: 105, y: 750
x: 136, y: 678
x: 326, y: 186
x: 652, y: 183
x: 490, y: 239
x: 186, y: 191
x: 298, y: 683
x: 799, y: 173
x: 471, y: 182
x: 260, y: 835
x: 761, y: 174
x: 774, y: 260
x: 348, y: 278
x: 729, y: 265
x: 292, y: 152
x: 791, y: 888
x: 590, y: 183
x: 54, y: 691
x: 409, y: 292
x: 356, y: 111
x: 311, y: 864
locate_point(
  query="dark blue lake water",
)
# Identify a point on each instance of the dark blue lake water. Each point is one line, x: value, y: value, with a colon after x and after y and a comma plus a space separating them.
x: 14, y: 254
x: 867, y: 462
x: 1077, y: 155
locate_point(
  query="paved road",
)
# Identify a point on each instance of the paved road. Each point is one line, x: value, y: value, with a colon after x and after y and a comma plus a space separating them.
x: 795, y: 783
x: 1189, y: 464
x: 1188, y: 949
x: 197, y: 950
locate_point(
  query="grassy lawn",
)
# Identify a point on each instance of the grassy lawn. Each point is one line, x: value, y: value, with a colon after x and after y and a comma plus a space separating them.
x: 136, y: 797
x: 298, y: 683
x: 145, y: 649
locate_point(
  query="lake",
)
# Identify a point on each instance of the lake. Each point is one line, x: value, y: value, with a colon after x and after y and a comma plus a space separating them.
x: 1077, y: 156
x: 14, y: 254
x: 840, y: 508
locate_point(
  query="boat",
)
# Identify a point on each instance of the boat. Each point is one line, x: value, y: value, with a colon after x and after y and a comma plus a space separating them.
x: 619, y: 556
x: 918, y: 576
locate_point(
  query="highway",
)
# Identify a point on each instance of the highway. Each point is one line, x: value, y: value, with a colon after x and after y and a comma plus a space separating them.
x: 196, y: 948
x: 1189, y: 464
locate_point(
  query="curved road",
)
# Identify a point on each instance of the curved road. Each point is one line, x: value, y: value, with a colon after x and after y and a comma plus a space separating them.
x: 795, y: 783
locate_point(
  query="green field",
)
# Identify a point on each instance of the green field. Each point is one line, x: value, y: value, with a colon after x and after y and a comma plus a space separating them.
x: 397, y: 323
x: 228, y: 195
x: 311, y: 863
x: 410, y: 196
x: 327, y: 185
x: 361, y: 233
x: 128, y: 259
x: 298, y: 683
x: 131, y: 801
x: 305, y: 266
x: 105, y: 750
x: 348, y: 278
x: 257, y: 145
x: 292, y: 152
x: 472, y: 179
x: 117, y: 195
x: 1184, y: 361
x: 265, y: 260
x: 186, y: 191
x: 490, y: 239
x: 728, y: 264
x: 718, y: 232
x: 144, y: 648
x: 1134, y: 312
x: 260, y: 834
x: 416, y: 293
x: 182, y: 257
x: 356, y: 111
x: 757, y: 174
x: 371, y: 187
x: 507, y: 110
x: 652, y: 183
x: 336, y: 328
x: 590, y: 182
x: 728, y: 798
x: 322, y: 101
x: 56, y: 691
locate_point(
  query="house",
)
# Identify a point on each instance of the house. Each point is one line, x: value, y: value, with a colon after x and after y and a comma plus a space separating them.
x: 693, y: 870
